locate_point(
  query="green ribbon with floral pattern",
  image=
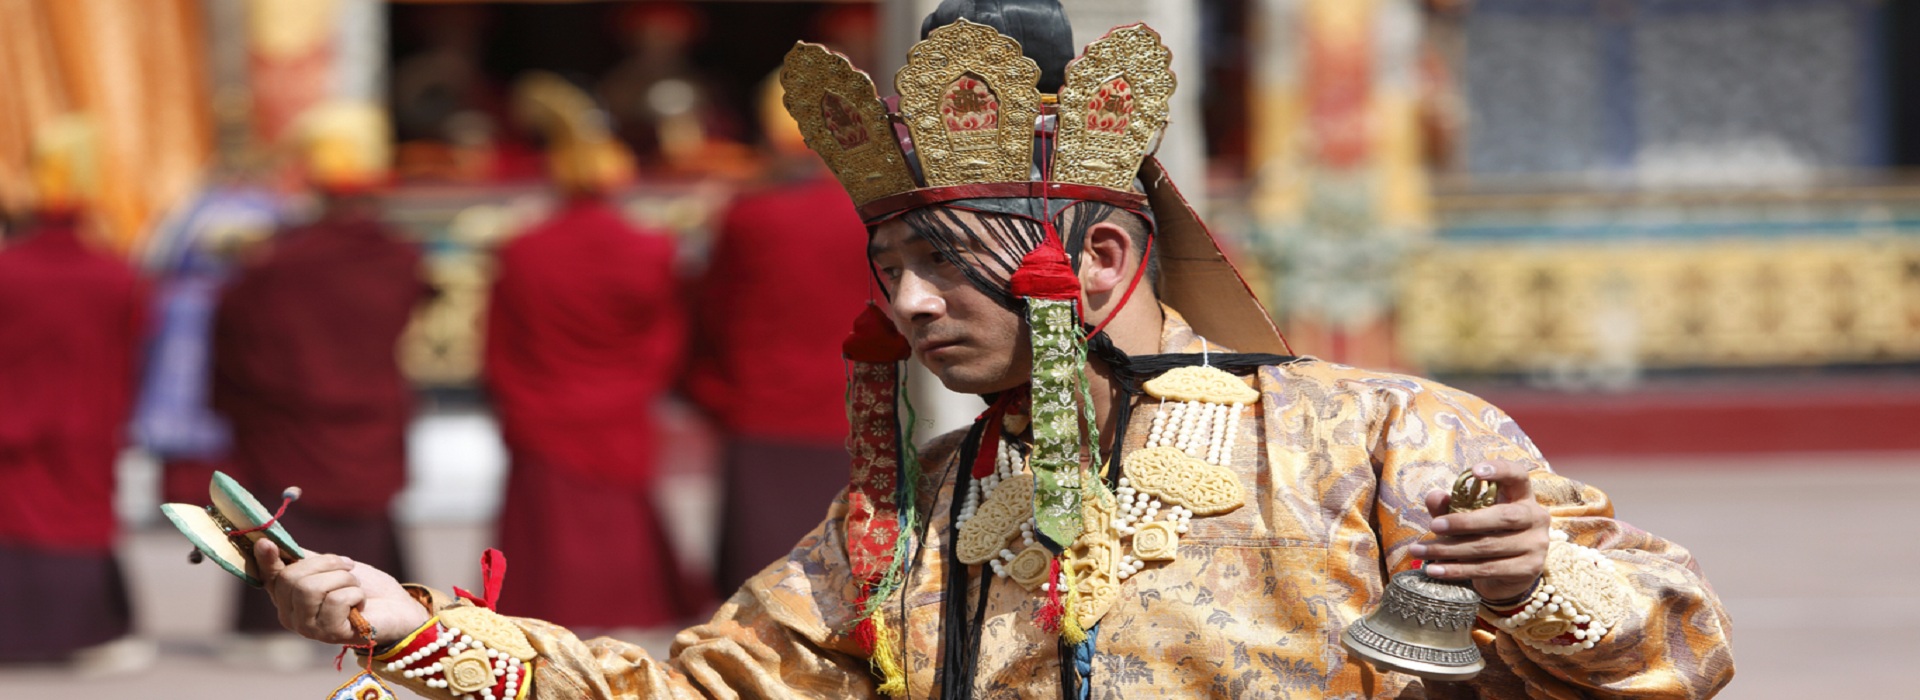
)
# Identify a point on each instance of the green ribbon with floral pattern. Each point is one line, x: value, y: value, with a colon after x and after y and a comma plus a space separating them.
x: 1059, y: 363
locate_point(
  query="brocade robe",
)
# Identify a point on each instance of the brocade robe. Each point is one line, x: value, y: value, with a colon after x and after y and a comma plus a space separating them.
x: 1335, y: 464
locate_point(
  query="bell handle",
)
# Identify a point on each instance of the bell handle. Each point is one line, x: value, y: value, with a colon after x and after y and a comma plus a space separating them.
x: 1472, y: 493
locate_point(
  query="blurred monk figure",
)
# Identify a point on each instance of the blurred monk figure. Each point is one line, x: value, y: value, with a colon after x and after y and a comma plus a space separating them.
x: 786, y: 271
x: 584, y: 334
x: 304, y: 356
x: 71, y: 321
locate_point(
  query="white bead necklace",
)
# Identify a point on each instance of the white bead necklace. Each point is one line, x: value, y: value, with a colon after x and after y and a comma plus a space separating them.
x: 1197, y: 421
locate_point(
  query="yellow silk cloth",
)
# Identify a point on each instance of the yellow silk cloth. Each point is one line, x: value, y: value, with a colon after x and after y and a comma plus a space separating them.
x: 1253, y: 606
x: 138, y: 70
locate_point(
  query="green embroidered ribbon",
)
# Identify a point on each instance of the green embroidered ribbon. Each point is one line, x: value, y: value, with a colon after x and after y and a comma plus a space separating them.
x: 1059, y: 360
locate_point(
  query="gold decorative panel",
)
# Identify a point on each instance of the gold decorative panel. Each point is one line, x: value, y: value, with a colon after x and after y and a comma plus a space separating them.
x: 1112, y: 108
x: 844, y: 121
x: 969, y: 97
x: 1531, y: 306
x: 442, y: 345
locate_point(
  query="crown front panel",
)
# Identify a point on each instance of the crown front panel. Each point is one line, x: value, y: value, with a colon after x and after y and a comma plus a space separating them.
x: 970, y: 99
x: 842, y: 118
x: 1112, y: 106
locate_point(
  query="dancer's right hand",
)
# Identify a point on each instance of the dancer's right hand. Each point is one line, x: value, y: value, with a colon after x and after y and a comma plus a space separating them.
x: 315, y: 593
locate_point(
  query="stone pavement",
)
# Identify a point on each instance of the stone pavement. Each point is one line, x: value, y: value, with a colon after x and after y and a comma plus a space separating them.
x: 1812, y: 553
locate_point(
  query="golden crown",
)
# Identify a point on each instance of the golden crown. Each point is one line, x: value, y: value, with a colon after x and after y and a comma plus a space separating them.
x: 971, y: 104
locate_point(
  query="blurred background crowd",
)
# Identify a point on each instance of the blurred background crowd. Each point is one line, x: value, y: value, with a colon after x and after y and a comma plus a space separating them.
x: 560, y: 277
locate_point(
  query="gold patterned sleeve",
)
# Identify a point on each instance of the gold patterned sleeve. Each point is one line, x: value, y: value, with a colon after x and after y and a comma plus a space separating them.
x: 1620, y: 612
x: 777, y: 637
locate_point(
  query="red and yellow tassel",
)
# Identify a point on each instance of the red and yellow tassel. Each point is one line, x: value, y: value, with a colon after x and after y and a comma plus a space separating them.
x: 1051, y: 612
x: 878, y: 471
x: 886, y: 656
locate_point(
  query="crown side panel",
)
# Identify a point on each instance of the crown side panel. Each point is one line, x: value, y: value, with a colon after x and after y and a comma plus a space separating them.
x: 970, y: 99
x: 842, y: 119
x: 1112, y: 107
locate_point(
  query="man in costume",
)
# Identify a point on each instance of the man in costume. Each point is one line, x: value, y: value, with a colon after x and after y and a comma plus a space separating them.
x: 785, y: 273
x: 584, y: 334
x: 304, y: 368
x: 71, y: 320
x: 1159, y: 502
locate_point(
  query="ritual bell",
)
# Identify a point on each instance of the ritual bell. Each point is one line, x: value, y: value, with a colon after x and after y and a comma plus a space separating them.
x: 1424, y: 625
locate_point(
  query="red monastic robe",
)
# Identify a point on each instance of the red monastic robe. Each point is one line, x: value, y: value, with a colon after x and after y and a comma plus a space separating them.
x: 71, y: 320
x: 787, y: 277
x: 305, y: 371
x: 584, y: 335
x: 305, y: 367
x: 788, y: 274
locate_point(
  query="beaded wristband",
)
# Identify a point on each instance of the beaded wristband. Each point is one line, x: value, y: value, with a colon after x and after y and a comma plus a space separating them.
x: 1578, y: 600
x: 445, y: 657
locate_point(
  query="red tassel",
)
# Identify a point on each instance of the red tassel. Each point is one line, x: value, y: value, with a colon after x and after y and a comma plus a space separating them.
x: 863, y: 631
x: 1045, y: 274
x: 1055, y: 609
x: 865, y: 636
x: 874, y: 339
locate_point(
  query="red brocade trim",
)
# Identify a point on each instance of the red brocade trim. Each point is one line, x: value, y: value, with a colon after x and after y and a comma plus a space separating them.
x: 989, y: 451
x: 873, y: 518
x: 413, y: 645
x: 1012, y: 401
x: 425, y: 657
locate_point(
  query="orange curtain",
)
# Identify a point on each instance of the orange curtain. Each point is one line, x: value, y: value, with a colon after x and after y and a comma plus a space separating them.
x: 138, y: 69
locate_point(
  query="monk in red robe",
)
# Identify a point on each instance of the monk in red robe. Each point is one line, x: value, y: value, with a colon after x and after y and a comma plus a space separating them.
x: 786, y: 267
x: 71, y: 321
x: 783, y: 269
x: 305, y: 372
x: 584, y: 334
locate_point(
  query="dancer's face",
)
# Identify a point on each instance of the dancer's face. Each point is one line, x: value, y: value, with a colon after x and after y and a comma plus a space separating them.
x: 972, y: 344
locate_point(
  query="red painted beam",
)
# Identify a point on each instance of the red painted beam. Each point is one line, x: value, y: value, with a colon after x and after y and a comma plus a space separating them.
x: 1721, y: 416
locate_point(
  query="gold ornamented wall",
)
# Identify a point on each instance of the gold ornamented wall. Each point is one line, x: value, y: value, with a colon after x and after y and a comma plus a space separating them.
x: 442, y: 346
x: 1499, y: 307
